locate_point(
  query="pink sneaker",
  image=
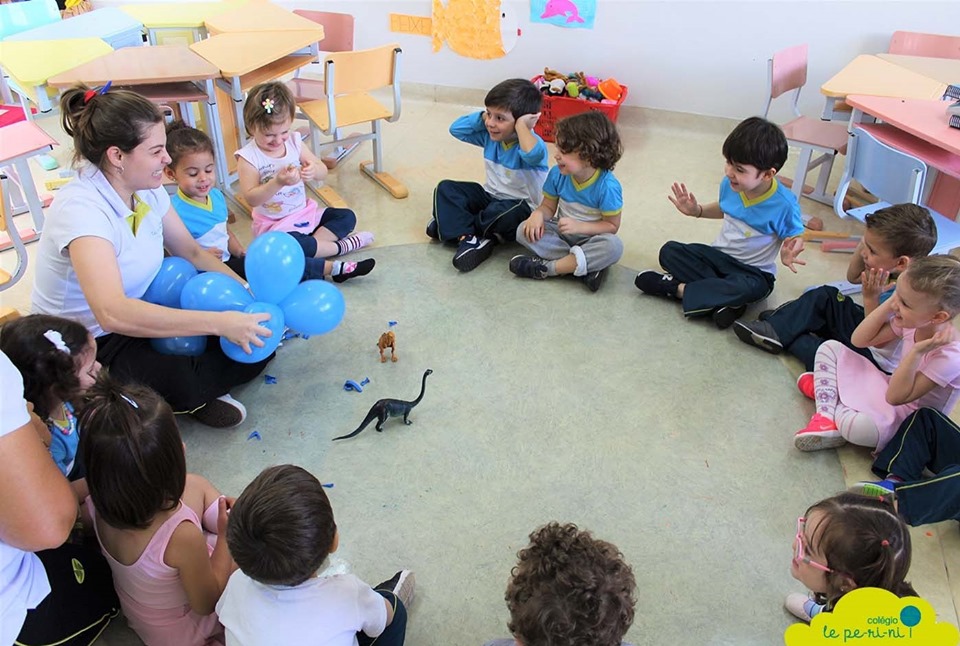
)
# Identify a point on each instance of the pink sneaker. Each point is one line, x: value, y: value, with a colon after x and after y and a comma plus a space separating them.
x: 805, y: 385
x: 820, y: 433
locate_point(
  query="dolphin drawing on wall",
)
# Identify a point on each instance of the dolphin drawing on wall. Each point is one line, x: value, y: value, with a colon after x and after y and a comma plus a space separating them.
x: 482, y: 29
x: 562, y: 8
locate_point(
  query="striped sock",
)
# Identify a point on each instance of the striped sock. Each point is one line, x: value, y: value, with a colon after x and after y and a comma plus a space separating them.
x: 343, y: 270
x: 353, y: 242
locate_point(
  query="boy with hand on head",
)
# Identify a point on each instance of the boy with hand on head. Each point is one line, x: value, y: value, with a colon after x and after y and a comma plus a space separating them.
x: 894, y: 236
x: 760, y: 217
x: 569, y: 589
x: 574, y: 230
x: 280, y: 532
x: 478, y: 217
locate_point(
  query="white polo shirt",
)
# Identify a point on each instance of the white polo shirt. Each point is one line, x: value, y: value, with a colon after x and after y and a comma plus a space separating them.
x: 23, y: 581
x: 88, y: 206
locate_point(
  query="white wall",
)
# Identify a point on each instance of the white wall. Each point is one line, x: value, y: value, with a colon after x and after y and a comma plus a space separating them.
x: 688, y: 56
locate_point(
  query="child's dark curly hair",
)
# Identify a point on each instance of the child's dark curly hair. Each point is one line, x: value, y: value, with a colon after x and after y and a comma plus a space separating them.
x: 570, y: 589
x: 593, y: 136
x: 184, y: 140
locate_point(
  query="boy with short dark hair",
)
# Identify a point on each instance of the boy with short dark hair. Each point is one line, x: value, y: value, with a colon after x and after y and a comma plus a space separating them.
x: 760, y: 217
x: 280, y: 532
x: 478, y: 217
x: 569, y: 589
x: 894, y: 236
x: 574, y: 230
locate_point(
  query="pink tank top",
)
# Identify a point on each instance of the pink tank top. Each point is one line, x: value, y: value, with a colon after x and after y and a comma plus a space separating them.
x: 151, y: 595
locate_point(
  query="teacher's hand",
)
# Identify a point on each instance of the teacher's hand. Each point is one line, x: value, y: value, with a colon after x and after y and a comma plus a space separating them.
x: 245, y: 329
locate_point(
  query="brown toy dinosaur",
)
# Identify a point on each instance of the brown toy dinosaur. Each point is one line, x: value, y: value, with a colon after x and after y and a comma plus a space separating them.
x: 388, y: 340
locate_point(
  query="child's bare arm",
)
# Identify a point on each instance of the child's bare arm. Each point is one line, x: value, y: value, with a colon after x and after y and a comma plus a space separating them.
x: 907, y: 384
x: 856, y: 266
x: 606, y: 225
x: 234, y: 246
x: 252, y: 190
x: 525, y: 136
x: 310, y: 167
x: 875, y: 330
x: 201, y: 573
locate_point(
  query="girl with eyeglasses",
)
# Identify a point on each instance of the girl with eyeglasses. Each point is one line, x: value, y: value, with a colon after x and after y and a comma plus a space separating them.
x: 846, y: 542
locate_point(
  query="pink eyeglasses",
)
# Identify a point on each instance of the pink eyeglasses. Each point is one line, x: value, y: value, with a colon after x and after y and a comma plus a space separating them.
x: 799, y: 552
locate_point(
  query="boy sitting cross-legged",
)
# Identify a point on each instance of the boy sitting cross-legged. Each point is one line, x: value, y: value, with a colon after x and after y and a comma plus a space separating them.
x: 894, y: 236
x: 760, y: 217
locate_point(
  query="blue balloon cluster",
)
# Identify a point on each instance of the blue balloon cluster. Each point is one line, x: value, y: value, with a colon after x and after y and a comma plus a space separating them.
x: 274, y: 266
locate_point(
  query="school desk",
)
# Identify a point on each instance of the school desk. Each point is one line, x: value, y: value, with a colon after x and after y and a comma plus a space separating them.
x: 162, y: 73
x: 257, y: 16
x: 919, y: 128
x: 21, y: 141
x: 945, y: 70
x: 113, y: 26
x: 190, y: 16
x: 874, y: 76
x: 30, y: 63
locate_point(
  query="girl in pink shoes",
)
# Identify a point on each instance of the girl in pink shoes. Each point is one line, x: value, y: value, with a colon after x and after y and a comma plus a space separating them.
x: 273, y: 167
x: 846, y: 542
x: 858, y: 403
x: 158, y: 525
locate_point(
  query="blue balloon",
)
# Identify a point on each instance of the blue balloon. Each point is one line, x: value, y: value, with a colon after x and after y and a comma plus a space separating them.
x: 188, y: 346
x: 214, y: 292
x: 275, y: 324
x: 314, y: 307
x: 274, y: 266
x: 168, y: 284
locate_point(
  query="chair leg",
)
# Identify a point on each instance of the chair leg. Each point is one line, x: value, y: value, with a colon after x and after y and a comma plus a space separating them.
x: 374, y: 170
x: 800, y: 178
x: 819, y: 194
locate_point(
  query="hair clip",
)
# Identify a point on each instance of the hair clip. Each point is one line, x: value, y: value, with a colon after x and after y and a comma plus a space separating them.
x: 89, y: 94
x: 54, y: 337
x: 129, y: 401
x: 268, y: 106
x: 885, y: 543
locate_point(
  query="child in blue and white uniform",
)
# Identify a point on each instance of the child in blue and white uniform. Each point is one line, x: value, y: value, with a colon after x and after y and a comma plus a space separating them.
x: 574, y: 230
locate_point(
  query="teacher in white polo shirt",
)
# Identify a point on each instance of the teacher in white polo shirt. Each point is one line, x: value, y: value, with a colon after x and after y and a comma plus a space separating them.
x: 103, y: 244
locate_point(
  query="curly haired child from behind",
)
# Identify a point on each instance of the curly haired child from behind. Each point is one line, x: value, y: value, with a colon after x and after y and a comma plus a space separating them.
x: 846, y: 542
x: 198, y: 202
x: 281, y: 530
x: 273, y: 167
x: 858, y: 403
x: 574, y: 230
x: 158, y: 526
x: 569, y: 589
x: 57, y: 359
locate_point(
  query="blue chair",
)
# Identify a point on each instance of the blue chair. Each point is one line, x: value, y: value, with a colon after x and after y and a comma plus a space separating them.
x: 21, y: 16
x: 893, y: 177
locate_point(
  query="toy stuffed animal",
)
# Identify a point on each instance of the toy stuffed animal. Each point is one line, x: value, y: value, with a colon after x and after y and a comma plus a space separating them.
x: 549, y: 75
x: 388, y: 340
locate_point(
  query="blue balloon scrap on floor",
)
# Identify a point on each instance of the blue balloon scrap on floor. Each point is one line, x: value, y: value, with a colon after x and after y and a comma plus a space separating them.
x: 269, y: 379
x: 254, y: 435
x: 328, y: 485
x: 350, y: 384
x: 391, y: 323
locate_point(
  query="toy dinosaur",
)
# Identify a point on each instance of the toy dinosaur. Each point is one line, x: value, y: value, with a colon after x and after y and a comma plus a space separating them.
x: 385, y: 408
x: 388, y: 340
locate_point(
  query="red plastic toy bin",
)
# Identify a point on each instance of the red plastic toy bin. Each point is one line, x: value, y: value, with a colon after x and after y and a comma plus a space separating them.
x: 558, y: 107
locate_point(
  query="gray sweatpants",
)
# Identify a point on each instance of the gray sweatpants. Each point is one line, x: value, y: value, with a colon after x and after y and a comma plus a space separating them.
x: 593, y: 253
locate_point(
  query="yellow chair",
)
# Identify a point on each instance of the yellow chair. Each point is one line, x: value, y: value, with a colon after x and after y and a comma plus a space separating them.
x: 348, y: 79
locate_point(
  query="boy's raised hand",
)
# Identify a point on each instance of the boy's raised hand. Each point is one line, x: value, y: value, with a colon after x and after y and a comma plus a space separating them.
x: 684, y: 200
x: 790, y: 251
x: 529, y: 120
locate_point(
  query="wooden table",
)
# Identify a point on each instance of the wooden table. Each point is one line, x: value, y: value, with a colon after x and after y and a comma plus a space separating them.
x: 943, y: 70
x: 918, y: 127
x: 160, y: 16
x: 30, y: 63
x: 258, y: 16
x: 110, y: 24
x: 871, y: 75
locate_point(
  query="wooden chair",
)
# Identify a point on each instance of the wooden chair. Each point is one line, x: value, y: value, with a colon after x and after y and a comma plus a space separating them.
x: 913, y: 43
x: 893, y: 177
x: 786, y: 72
x: 348, y: 78
x: 8, y: 227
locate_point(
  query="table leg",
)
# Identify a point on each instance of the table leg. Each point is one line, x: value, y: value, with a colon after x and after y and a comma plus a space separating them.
x: 30, y: 192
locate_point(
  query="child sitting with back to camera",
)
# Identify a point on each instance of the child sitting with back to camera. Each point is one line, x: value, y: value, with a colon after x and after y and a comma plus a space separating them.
x: 281, y: 531
x: 57, y: 359
x: 273, y: 167
x: 569, y: 589
x: 574, y: 230
x: 761, y: 218
x: 893, y: 237
x: 846, y: 542
x: 199, y: 203
x: 158, y: 526
x: 858, y: 403
x: 479, y: 217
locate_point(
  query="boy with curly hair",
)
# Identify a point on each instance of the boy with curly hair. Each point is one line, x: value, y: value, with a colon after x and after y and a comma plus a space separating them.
x: 569, y: 589
x: 574, y: 230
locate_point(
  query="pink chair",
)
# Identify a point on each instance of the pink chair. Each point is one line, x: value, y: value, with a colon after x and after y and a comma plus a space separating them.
x: 787, y: 71
x: 913, y: 43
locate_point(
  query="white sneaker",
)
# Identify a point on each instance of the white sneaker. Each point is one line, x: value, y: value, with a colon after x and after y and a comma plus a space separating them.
x: 403, y: 585
x: 802, y: 606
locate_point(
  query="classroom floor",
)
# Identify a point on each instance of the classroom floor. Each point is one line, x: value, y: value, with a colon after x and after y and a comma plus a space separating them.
x: 667, y: 437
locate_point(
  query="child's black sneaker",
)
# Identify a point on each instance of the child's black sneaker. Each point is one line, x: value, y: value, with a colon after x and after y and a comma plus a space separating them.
x: 529, y: 267
x: 724, y: 317
x: 222, y: 412
x: 657, y: 284
x: 759, y: 334
x: 594, y: 279
x: 471, y: 252
x: 433, y: 231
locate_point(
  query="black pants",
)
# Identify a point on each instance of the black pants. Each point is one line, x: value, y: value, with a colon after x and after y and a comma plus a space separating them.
x: 465, y: 208
x: 395, y: 633
x: 185, y: 382
x: 713, y: 279
x: 926, y: 439
x: 819, y: 315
